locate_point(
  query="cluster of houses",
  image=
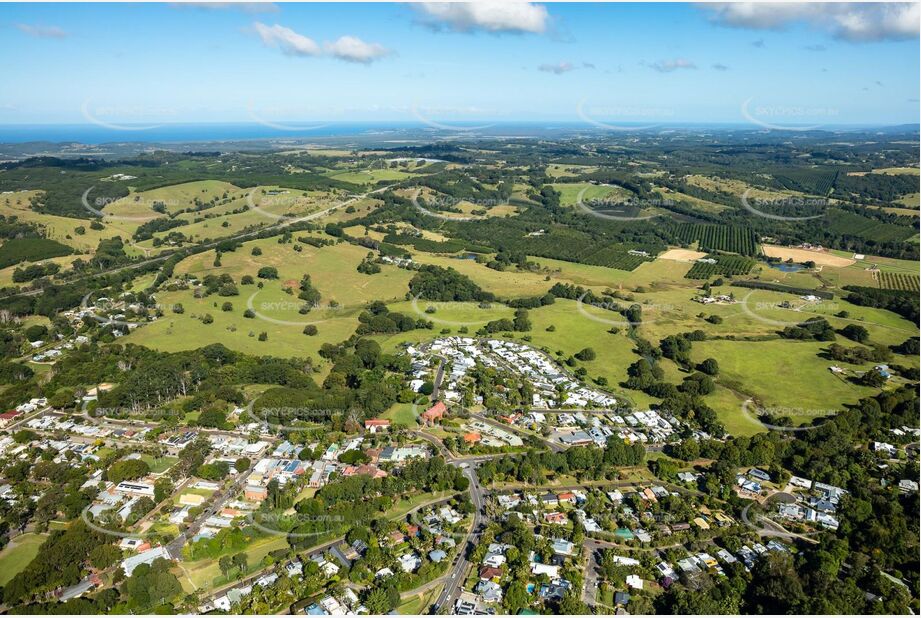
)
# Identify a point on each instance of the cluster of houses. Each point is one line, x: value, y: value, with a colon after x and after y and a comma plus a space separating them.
x: 487, y: 593
x: 695, y: 564
x: 816, y: 503
x: 719, y: 299
x: 750, y: 484
x: 478, y: 432
x: 546, y: 376
x: 284, y: 464
x: 581, y: 428
x: 633, y: 510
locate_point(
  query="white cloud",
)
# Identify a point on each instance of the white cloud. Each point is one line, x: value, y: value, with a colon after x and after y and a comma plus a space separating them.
x: 291, y: 43
x: 287, y: 40
x: 857, y: 22
x: 667, y: 66
x: 353, y: 49
x: 493, y: 16
x: 557, y: 69
x: 42, y: 32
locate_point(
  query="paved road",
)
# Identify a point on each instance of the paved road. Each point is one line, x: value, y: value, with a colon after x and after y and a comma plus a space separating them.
x: 217, y: 502
x: 556, y: 447
x: 455, y: 578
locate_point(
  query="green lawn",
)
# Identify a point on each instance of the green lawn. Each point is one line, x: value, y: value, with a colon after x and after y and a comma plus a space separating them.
x: 158, y: 465
x: 18, y: 554
x: 403, y: 414
x: 780, y: 374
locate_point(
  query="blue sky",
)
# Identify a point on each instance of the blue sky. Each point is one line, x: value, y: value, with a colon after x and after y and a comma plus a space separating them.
x: 125, y: 64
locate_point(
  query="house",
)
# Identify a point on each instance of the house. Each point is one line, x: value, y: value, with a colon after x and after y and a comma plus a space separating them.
x: 562, y: 547
x: 146, y: 557
x: 374, y: 425
x: 7, y: 417
x: 254, y: 493
x: 409, y: 562
x: 489, y: 572
x: 435, y: 413
x: 566, y: 496
x: 472, y: 437
x: 555, y: 518
x: 437, y: 555
x: 635, y: 581
x: 489, y: 590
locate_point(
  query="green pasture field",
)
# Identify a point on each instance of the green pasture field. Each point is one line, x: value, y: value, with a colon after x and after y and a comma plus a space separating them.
x: 17, y: 555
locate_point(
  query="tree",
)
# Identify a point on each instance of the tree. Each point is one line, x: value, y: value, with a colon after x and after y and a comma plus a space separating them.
x: 267, y: 272
x: 855, y: 332
x: 127, y: 470
x: 225, y: 563
x: 586, y: 354
x: 310, y: 330
x: 242, y: 464
x: 709, y: 367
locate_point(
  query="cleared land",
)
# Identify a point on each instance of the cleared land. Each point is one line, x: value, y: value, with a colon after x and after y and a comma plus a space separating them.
x: 803, y: 255
x: 682, y: 255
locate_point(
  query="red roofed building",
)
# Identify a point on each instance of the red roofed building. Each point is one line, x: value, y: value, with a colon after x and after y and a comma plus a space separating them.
x: 566, y: 496
x: 489, y: 572
x: 367, y: 469
x: 6, y: 417
x: 472, y: 437
x: 377, y: 424
x: 435, y: 413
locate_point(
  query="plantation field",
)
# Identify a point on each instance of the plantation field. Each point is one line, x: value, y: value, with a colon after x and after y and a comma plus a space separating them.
x: 725, y: 265
x: 712, y: 237
x: 898, y: 281
x: 19, y: 250
x: 18, y: 554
